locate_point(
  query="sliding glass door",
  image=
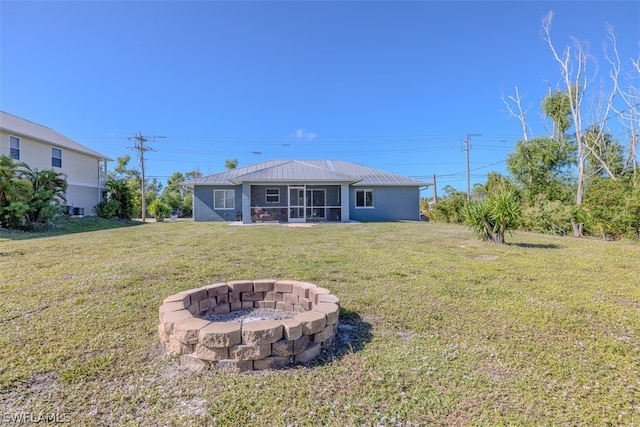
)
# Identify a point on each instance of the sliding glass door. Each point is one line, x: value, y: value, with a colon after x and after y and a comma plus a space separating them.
x: 316, y: 201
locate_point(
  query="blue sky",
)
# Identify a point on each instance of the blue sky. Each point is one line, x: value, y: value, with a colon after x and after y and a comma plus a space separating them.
x: 391, y: 85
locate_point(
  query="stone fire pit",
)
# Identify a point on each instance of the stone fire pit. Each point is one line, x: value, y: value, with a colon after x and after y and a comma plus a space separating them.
x: 287, y: 322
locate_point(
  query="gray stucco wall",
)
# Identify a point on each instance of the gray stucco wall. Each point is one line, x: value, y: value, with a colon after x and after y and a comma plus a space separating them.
x: 203, y: 204
x: 390, y: 204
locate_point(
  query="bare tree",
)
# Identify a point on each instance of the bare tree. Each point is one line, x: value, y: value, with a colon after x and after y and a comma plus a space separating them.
x: 519, y: 113
x: 597, y: 144
x: 573, y: 67
x: 629, y: 113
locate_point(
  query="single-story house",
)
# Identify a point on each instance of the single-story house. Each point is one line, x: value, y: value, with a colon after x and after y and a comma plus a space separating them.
x: 305, y: 191
x: 43, y: 148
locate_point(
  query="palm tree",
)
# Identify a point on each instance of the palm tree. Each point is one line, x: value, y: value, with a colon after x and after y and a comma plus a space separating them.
x: 13, y: 185
x: 491, y: 218
x: 48, y: 194
x: 14, y: 192
x: 48, y: 181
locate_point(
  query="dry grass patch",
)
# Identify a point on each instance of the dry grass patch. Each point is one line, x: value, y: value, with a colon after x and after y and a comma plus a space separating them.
x: 444, y: 329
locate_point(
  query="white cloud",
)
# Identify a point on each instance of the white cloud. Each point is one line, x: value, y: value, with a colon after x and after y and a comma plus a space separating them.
x: 306, y: 136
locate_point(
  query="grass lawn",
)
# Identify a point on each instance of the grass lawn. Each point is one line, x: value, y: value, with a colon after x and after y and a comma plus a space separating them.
x: 448, y: 330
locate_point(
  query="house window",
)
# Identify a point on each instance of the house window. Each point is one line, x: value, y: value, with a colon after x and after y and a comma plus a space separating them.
x: 102, y: 171
x: 14, y: 147
x: 56, y: 157
x: 272, y: 195
x: 364, y: 198
x: 224, y: 199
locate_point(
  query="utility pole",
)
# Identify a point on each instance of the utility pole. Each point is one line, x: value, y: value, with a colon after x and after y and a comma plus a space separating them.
x: 435, y: 191
x: 139, y: 146
x: 466, y: 147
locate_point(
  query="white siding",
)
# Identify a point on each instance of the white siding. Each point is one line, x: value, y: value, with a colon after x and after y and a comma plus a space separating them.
x: 82, y: 170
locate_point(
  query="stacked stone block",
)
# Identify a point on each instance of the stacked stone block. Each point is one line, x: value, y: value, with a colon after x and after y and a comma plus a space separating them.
x: 243, y: 346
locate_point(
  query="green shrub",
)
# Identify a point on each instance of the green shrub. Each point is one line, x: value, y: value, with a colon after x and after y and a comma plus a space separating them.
x: 547, y: 216
x: 449, y: 207
x: 159, y: 210
x: 14, y: 215
x: 108, y: 209
x: 611, y: 209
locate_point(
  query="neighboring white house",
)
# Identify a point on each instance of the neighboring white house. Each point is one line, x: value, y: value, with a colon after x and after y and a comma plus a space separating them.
x: 43, y: 148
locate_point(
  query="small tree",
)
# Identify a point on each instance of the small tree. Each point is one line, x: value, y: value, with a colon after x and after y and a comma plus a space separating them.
x: 159, y: 210
x: 131, y: 204
x: 231, y: 163
x: 491, y: 218
x: 449, y: 207
x: 176, y: 195
x: 173, y: 194
x: 119, y: 200
x: 542, y: 166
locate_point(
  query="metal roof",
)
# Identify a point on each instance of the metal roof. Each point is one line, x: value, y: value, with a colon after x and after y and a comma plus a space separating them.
x: 296, y: 171
x: 21, y: 127
x: 308, y: 171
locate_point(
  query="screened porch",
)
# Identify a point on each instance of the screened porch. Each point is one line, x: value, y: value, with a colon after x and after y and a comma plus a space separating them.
x: 296, y: 203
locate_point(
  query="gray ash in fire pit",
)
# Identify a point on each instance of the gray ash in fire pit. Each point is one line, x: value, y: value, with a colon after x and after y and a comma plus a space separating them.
x: 251, y: 315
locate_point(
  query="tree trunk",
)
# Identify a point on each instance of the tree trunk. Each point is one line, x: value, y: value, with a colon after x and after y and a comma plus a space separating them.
x: 499, y: 234
x: 578, y: 228
x: 490, y: 236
